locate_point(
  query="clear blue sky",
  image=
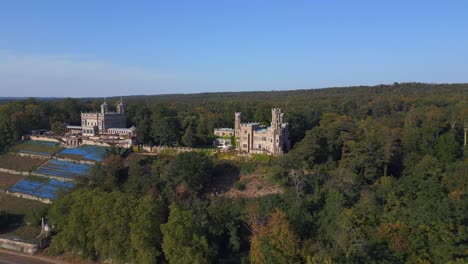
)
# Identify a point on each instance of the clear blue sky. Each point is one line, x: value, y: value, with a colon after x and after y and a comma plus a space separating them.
x: 99, y: 48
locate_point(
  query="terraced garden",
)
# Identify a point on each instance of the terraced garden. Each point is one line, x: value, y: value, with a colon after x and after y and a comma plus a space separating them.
x: 18, y: 163
x: 63, y: 169
x: 41, y: 187
x: 26, y: 211
x: 37, y: 147
x: 84, y: 152
x: 7, y: 180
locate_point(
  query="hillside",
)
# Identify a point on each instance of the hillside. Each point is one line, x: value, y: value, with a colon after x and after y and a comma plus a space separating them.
x: 375, y: 175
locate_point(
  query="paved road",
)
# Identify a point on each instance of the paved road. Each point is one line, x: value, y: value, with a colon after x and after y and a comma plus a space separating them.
x: 13, y: 258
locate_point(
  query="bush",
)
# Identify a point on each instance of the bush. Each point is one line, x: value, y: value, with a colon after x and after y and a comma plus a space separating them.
x: 248, y: 167
x: 261, y: 158
x: 239, y: 185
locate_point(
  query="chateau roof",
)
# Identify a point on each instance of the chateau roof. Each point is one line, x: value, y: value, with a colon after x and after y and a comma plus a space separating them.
x: 100, y: 113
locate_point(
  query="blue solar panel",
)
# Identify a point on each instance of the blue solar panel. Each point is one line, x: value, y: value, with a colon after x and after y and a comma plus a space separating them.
x: 46, y: 190
x: 64, y: 169
x: 95, y: 153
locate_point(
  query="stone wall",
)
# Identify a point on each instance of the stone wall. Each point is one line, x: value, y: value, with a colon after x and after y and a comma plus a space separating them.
x: 41, y: 138
x: 29, y: 197
x: 22, y: 246
x: 52, y: 177
x: 76, y: 161
x: 94, y: 143
x: 36, y: 156
x: 19, y: 246
x: 159, y: 149
x: 24, y: 173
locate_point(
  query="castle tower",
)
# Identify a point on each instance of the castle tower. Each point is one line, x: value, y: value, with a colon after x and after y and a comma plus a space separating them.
x: 104, y: 107
x: 276, y: 118
x: 121, y: 107
x: 237, y: 122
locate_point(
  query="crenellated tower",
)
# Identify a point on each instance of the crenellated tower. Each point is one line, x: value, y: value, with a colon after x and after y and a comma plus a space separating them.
x: 276, y: 118
x: 237, y: 121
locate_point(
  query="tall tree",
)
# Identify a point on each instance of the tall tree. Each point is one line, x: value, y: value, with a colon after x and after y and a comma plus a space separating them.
x: 145, y: 231
x: 184, y: 240
x: 275, y: 242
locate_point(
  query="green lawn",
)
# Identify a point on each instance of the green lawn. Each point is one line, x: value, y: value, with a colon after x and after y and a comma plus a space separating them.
x: 37, y: 147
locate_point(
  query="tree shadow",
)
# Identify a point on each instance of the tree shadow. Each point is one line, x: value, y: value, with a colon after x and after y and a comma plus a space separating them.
x: 225, y: 174
x: 10, y: 222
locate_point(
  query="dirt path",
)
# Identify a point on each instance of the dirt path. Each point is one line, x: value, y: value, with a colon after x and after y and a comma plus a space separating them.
x: 10, y: 257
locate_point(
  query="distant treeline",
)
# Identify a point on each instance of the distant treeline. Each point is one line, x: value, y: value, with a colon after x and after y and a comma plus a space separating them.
x: 188, y: 120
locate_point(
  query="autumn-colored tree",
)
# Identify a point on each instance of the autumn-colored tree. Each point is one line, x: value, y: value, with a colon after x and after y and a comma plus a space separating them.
x: 275, y: 242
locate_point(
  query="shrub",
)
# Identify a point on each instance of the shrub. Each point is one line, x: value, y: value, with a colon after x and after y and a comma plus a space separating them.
x: 239, y: 185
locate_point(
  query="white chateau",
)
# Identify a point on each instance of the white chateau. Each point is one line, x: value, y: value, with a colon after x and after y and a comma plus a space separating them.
x: 254, y: 138
x: 104, y: 123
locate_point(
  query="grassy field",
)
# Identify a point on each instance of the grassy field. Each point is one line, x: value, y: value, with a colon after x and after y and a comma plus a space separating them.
x: 18, y: 163
x: 37, y: 147
x: 7, y: 180
x: 26, y: 211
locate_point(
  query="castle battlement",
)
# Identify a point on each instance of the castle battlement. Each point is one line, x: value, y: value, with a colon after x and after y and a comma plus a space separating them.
x: 251, y: 137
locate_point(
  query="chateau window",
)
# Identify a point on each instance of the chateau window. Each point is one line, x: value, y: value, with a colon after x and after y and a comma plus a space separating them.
x: 244, y: 145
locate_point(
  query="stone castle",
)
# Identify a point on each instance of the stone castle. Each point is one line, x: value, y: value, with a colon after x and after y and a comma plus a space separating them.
x: 254, y: 138
x: 104, y: 123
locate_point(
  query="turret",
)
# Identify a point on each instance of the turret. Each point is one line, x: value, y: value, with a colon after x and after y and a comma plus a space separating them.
x: 276, y: 118
x: 121, y: 107
x: 104, y: 107
x: 237, y: 122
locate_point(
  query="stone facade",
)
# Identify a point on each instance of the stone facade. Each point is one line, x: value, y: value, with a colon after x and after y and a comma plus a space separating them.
x: 224, y: 137
x: 103, y: 123
x: 255, y: 138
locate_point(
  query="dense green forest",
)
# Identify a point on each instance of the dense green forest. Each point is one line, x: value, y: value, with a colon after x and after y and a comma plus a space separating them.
x: 376, y: 175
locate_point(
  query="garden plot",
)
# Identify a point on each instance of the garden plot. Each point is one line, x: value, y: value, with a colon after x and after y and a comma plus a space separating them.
x: 85, y: 152
x: 43, y: 188
x: 63, y: 169
x: 18, y: 163
x: 7, y: 180
x: 36, y: 147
